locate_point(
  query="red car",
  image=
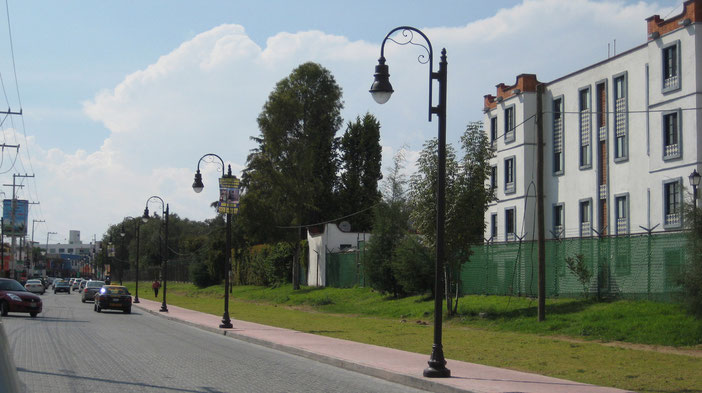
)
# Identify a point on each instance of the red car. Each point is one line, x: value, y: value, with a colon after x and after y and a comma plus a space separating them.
x: 15, y: 298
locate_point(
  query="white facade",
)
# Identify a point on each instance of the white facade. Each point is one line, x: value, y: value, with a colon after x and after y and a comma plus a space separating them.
x: 620, y: 140
x: 331, y: 239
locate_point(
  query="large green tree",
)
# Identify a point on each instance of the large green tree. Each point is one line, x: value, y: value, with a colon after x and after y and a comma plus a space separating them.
x: 291, y: 176
x: 467, y: 197
x: 361, y: 156
x: 390, y: 226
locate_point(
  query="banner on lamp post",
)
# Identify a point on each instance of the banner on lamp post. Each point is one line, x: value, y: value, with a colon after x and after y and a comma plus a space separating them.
x: 228, y: 195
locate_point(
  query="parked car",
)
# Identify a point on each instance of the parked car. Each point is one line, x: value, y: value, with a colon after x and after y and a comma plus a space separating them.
x: 76, y: 284
x: 113, y: 297
x: 35, y: 286
x: 62, y: 286
x: 91, y: 288
x: 15, y: 298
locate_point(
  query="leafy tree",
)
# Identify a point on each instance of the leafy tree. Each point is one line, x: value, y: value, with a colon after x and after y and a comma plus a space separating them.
x: 361, y: 156
x: 413, y: 265
x: 291, y: 177
x: 576, y: 264
x: 691, y: 278
x: 390, y: 225
x: 467, y: 197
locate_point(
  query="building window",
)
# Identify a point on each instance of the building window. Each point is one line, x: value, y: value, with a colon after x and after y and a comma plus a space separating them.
x: 52, y: 251
x: 671, y: 135
x: 509, y: 124
x: 62, y: 250
x: 671, y: 67
x: 493, y: 177
x: 621, y: 143
x: 672, y: 208
x: 509, y: 175
x: 585, y: 142
x: 558, y: 220
x: 510, y: 225
x: 493, y: 226
x: 585, y: 218
x: 493, y: 130
x: 621, y: 211
x: 558, y: 136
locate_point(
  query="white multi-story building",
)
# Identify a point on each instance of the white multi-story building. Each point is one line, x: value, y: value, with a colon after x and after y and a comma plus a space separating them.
x: 620, y: 140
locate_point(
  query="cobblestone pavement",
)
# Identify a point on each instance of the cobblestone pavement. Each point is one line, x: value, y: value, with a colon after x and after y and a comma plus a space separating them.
x: 71, y: 348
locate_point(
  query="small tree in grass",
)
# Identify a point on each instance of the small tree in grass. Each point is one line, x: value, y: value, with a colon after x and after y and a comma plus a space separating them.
x: 576, y: 265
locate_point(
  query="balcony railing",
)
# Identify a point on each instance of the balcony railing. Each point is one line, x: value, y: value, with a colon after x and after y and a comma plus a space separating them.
x: 603, y: 133
x: 603, y: 191
x: 672, y: 150
x: 671, y: 83
x: 672, y: 219
x: 511, y: 237
x: 585, y: 229
x: 509, y: 188
x: 622, y: 226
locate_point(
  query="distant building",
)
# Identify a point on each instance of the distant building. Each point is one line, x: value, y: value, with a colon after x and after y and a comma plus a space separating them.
x: 71, y: 256
x: 620, y: 139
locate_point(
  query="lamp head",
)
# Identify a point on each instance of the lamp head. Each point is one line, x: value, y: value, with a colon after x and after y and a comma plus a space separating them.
x: 695, y: 178
x: 122, y: 233
x: 381, y: 89
x: 145, y: 217
x: 197, y: 184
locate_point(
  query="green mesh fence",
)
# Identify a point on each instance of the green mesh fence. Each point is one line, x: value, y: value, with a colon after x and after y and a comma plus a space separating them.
x: 344, y: 269
x: 637, y: 266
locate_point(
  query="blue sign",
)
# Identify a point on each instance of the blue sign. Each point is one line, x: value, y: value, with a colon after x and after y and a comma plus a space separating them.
x: 15, y: 224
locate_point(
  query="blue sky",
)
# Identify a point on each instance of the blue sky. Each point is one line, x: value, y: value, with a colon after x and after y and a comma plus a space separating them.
x: 121, y: 98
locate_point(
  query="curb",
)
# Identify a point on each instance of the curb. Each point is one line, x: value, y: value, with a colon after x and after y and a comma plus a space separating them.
x: 402, y: 379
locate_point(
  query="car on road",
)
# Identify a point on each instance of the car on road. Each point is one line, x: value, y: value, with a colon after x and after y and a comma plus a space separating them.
x: 113, y: 297
x: 76, y: 284
x: 56, y: 281
x: 91, y: 288
x: 15, y: 298
x: 62, y: 286
x: 35, y: 286
x: 82, y: 286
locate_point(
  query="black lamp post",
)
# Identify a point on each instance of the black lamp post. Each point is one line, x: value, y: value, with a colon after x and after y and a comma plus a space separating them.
x: 164, y: 257
x: 694, y: 182
x: 198, y: 186
x: 381, y: 90
x: 110, y: 253
x: 122, y: 234
x: 136, y: 230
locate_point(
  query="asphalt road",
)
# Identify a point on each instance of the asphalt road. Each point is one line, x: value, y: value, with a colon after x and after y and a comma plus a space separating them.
x: 71, y: 348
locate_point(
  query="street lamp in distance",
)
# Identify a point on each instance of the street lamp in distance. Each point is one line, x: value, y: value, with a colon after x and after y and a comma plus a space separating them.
x: 694, y: 183
x: 226, y: 180
x: 164, y: 257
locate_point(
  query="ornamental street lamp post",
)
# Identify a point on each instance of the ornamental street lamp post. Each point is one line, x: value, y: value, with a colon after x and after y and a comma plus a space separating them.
x: 381, y: 90
x: 164, y: 257
x: 198, y: 186
x: 694, y: 182
x: 136, y: 230
x: 122, y: 234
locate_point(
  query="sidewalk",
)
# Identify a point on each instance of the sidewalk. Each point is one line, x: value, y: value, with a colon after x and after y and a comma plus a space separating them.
x: 390, y: 364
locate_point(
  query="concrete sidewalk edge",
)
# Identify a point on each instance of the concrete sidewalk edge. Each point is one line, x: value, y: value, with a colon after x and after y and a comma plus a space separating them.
x: 402, y: 379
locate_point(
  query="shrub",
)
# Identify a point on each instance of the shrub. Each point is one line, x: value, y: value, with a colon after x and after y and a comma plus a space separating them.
x: 413, y: 266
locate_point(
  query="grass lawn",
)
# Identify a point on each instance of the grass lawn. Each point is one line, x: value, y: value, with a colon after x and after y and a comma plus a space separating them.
x: 491, y: 330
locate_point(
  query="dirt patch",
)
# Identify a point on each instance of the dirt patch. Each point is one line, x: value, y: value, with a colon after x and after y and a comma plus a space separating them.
x: 694, y: 351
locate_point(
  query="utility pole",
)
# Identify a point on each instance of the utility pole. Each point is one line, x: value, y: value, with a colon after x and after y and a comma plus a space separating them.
x: 14, y: 206
x: 32, y: 243
x: 540, y: 201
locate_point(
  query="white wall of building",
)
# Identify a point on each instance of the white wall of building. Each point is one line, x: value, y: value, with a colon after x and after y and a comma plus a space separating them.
x: 640, y: 176
x: 332, y: 239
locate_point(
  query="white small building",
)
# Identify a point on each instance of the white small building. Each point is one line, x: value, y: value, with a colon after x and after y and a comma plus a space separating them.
x: 330, y: 239
x: 620, y: 139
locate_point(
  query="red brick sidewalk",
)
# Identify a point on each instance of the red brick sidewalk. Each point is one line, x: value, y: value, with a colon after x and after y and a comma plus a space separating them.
x: 385, y: 363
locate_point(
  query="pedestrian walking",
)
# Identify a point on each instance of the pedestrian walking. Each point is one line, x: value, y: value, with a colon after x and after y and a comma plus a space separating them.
x: 155, y: 286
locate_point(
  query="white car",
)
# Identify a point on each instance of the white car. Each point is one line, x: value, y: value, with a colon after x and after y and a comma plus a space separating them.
x: 35, y: 286
x: 76, y: 284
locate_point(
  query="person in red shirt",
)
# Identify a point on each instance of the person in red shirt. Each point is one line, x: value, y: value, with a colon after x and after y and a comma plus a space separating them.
x: 155, y: 286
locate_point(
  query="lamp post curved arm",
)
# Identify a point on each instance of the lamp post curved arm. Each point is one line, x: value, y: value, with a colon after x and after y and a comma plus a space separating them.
x: 208, y: 158
x: 164, y: 256
x: 198, y: 186
x: 381, y: 89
